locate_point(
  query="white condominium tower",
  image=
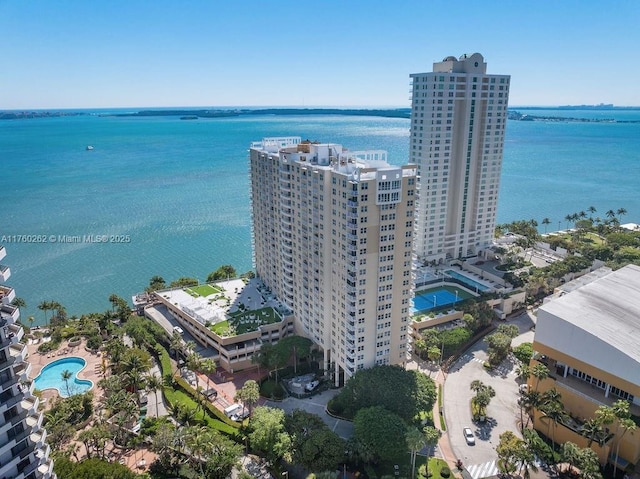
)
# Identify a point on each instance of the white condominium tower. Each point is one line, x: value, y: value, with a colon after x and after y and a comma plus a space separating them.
x: 333, y: 237
x: 458, y: 119
x: 24, y: 454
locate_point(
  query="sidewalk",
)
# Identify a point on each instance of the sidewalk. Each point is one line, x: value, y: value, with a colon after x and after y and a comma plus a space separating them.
x: 444, y: 445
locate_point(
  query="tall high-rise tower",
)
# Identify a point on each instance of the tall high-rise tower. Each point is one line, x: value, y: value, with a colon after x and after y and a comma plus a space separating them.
x: 458, y: 119
x: 333, y: 238
x: 24, y: 454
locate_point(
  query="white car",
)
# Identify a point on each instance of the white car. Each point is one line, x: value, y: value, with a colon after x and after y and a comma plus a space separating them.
x: 178, y: 329
x: 468, y: 436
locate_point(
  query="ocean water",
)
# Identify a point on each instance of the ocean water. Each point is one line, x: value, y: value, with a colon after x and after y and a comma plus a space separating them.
x: 176, y: 193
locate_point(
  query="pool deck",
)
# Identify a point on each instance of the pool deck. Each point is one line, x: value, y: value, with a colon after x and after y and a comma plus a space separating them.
x: 92, y: 370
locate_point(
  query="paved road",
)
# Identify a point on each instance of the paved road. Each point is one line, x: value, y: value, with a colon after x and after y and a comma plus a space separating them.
x: 503, y: 411
x: 317, y: 405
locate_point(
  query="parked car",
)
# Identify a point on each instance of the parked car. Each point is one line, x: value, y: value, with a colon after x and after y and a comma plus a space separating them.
x: 312, y: 385
x: 178, y: 330
x: 468, y: 436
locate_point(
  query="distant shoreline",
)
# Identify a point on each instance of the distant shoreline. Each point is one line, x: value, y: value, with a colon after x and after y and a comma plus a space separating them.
x: 188, y: 114
x: 194, y: 114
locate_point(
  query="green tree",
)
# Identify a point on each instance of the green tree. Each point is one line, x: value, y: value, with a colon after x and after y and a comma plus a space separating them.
x: 380, y: 429
x: 523, y: 353
x: 540, y: 372
x: 432, y: 436
x: 248, y: 394
x: 433, y: 353
x: 267, y: 433
x: 546, y: 222
x: 416, y: 440
x: 156, y: 283
x: 223, y: 272
x: 184, y: 282
x: 508, y: 450
x: 405, y: 393
x: 570, y: 454
x: 93, y: 468
x: 499, y: 347
x: 66, y: 375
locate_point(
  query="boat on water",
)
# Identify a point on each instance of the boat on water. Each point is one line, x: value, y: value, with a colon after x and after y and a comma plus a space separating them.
x: 89, y: 147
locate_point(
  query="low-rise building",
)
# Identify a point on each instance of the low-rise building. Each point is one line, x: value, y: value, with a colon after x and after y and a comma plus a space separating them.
x: 589, y: 338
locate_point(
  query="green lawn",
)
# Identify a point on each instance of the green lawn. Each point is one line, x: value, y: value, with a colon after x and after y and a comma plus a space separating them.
x: 242, y: 322
x: 203, y: 290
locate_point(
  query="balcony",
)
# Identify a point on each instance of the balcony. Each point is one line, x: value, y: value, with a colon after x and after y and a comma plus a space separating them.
x: 3, y: 252
x: 5, y: 273
x: 9, y: 311
x: 38, y: 438
x: 34, y: 421
x: 46, y: 469
x: 18, y: 351
x: 30, y: 405
x: 23, y: 370
x: 7, y: 294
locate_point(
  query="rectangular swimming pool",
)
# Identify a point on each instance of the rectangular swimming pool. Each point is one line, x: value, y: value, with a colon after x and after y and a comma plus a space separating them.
x: 468, y: 281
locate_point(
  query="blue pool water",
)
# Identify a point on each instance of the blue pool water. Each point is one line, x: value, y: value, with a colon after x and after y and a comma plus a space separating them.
x: 51, y: 377
x: 434, y: 298
x: 466, y: 280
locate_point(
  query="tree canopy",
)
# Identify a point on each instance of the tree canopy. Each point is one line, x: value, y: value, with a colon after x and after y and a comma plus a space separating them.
x: 314, y: 445
x: 225, y: 271
x: 405, y: 393
x: 380, y: 430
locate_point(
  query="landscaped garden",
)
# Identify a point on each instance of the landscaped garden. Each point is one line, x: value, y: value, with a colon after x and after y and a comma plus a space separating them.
x: 203, y: 290
x: 242, y: 322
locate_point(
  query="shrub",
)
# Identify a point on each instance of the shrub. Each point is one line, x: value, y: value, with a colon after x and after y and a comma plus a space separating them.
x: 94, y: 341
x: 445, y: 472
x: 271, y: 389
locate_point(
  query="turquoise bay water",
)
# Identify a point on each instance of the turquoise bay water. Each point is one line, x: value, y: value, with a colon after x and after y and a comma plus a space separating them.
x: 180, y: 191
x: 51, y: 377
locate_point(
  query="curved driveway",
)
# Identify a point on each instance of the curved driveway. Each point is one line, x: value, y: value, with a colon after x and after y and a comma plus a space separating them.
x: 503, y: 412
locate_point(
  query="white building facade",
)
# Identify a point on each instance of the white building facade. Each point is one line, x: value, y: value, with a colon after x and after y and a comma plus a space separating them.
x: 24, y: 454
x: 458, y: 120
x: 333, y: 238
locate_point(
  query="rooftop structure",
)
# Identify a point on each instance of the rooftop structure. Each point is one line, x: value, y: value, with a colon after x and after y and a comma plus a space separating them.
x: 333, y: 235
x: 232, y: 317
x: 458, y: 120
x: 24, y: 453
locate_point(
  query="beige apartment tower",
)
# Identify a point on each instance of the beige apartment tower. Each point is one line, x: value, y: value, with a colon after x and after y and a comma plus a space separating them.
x: 333, y: 238
x: 458, y: 119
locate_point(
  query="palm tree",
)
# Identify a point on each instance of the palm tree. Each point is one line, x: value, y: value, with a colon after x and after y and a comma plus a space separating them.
x: 45, y: 306
x: 248, y: 394
x: 546, y: 222
x: 208, y: 366
x: 570, y: 454
x: 621, y: 212
x: 416, y: 440
x: 610, y: 214
x: 540, y: 372
x: 591, y: 429
x: 19, y: 302
x: 66, y: 375
x: 553, y: 411
x: 620, y: 410
x: 591, y: 210
x: 113, y: 299
x: 431, y: 435
x: 31, y: 319
x: 523, y: 372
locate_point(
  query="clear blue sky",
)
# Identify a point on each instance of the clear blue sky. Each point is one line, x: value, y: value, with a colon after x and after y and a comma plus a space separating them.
x: 121, y: 53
